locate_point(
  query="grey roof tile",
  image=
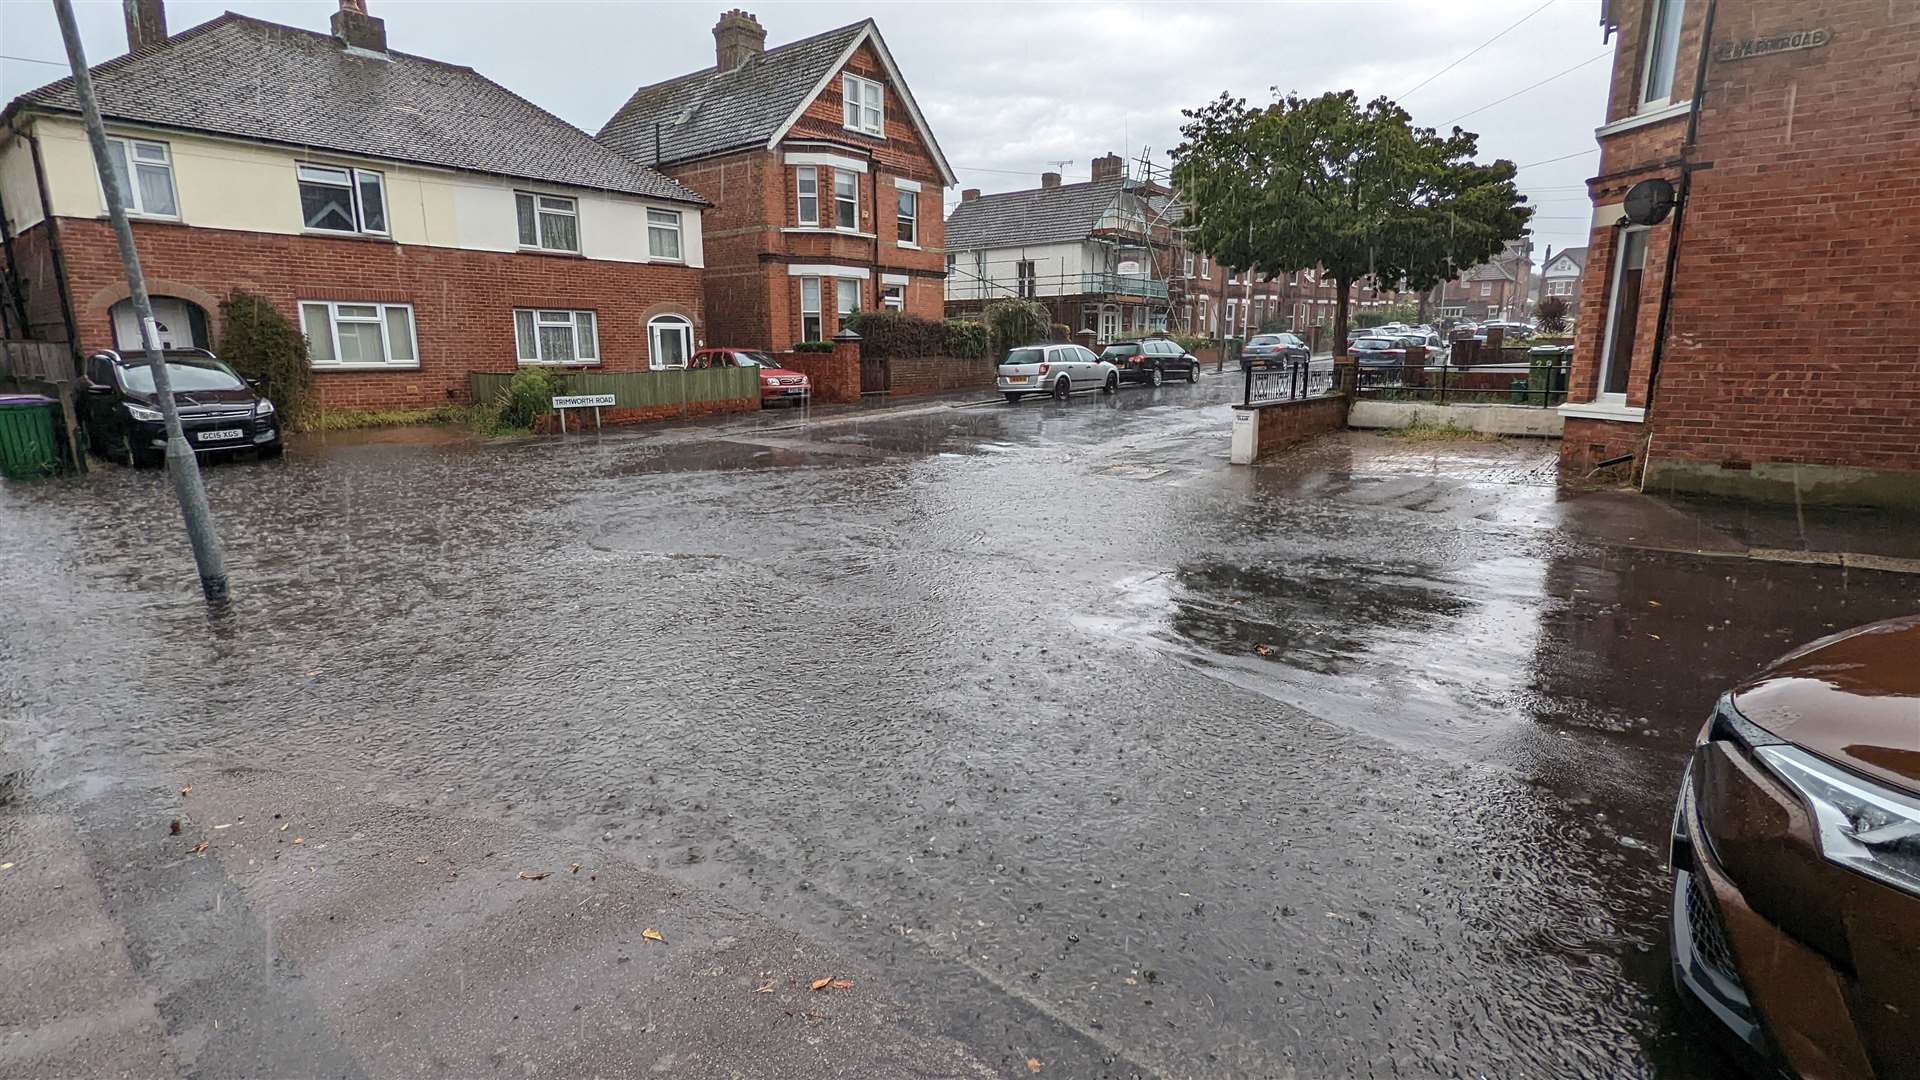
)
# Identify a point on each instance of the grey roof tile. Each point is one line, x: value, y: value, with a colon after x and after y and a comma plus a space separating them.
x: 1037, y: 216
x: 253, y: 79
x: 712, y: 111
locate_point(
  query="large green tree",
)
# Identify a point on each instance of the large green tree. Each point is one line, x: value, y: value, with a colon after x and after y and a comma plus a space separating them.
x: 1352, y: 190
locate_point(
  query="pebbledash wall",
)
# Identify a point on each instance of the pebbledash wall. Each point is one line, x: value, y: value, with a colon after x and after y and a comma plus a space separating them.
x: 1787, y: 367
x: 453, y: 255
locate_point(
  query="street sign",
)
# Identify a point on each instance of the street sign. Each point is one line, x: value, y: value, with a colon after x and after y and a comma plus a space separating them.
x: 583, y: 401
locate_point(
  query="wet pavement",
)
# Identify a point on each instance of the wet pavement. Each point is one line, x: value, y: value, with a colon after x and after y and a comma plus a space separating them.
x: 1077, y: 743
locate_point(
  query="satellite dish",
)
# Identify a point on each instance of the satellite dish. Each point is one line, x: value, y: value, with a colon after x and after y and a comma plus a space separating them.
x: 1649, y: 202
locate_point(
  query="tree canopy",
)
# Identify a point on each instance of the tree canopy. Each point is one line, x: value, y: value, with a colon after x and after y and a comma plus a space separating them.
x: 1355, y: 190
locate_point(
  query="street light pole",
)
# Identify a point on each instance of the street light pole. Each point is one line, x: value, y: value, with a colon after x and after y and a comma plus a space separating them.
x: 181, y: 466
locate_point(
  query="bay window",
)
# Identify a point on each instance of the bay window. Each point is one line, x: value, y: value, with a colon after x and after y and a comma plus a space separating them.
x: 863, y: 105
x: 846, y: 199
x: 342, y: 334
x: 551, y: 222
x: 143, y: 170
x: 543, y: 336
x: 334, y: 199
x: 663, y: 234
x: 806, y: 183
x: 810, y: 325
x: 847, y: 297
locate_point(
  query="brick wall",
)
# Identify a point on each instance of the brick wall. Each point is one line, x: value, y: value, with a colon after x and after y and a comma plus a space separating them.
x: 935, y: 374
x: 462, y: 300
x: 1289, y: 423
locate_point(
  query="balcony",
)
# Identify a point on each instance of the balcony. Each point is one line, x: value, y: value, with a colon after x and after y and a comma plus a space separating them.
x: 1123, y: 285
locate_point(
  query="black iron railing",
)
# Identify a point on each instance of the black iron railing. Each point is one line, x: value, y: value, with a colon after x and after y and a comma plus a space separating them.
x: 1292, y: 380
x: 1542, y: 384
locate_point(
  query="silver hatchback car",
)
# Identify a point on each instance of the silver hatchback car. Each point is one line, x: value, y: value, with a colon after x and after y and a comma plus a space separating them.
x: 1054, y: 369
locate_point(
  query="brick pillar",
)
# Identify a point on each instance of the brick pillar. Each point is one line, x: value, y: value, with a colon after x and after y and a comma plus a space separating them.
x: 842, y: 381
x: 1346, y: 380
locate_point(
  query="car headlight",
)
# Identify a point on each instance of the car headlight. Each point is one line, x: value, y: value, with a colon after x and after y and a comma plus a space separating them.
x: 141, y: 412
x: 265, y: 408
x: 1860, y: 825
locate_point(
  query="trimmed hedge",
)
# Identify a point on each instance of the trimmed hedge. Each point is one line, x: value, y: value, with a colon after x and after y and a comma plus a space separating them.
x: 813, y: 346
x: 965, y: 340
x: 889, y: 334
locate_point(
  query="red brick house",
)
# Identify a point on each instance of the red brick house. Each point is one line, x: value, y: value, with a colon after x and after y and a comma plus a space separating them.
x: 417, y: 220
x: 1756, y: 338
x: 828, y: 180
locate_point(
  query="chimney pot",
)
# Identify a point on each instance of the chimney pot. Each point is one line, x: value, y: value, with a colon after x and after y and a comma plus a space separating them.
x: 355, y: 28
x: 737, y: 38
x: 1049, y: 179
x: 1109, y: 167
x: 969, y: 194
x: 146, y: 23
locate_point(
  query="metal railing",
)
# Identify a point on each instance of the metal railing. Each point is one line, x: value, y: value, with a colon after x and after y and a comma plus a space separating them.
x: 1123, y: 285
x: 1295, y: 380
x: 1542, y: 385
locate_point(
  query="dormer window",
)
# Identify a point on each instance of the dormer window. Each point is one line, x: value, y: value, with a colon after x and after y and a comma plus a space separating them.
x: 863, y: 105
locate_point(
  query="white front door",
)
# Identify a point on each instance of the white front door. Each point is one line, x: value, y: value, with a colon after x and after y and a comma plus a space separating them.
x: 1109, y: 323
x: 176, y: 326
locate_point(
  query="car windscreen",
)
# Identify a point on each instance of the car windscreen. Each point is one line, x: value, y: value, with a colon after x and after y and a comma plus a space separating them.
x: 1025, y: 356
x: 757, y: 359
x: 1265, y: 339
x: 138, y: 378
x: 1122, y: 350
x: 1373, y: 343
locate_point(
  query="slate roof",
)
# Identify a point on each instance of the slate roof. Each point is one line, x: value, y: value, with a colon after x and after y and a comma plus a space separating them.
x: 1487, y: 272
x: 1037, y: 216
x: 252, y: 79
x: 1577, y: 254
x: 712, y: 111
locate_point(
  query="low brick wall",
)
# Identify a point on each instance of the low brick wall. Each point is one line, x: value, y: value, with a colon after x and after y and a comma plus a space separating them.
x: 1289, y: 423
x: 1585, y: 443
x: 833, y: 376
x: 935, y: 374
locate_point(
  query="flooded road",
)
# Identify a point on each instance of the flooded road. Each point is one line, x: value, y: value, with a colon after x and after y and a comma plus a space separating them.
x: 1103, y: 752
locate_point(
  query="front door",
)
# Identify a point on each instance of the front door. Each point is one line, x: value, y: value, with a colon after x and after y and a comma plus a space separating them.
x: 176, y: 319
x: 1109, y: 324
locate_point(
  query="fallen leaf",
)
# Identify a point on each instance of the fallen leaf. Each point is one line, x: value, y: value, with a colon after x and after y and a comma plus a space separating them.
x: 653, y: 935
x: 173, y: 827
x: 1653, y: 603
x: 1131, y: 981
x: 283, y: 828
x: 299, y: 839
x: 1655, y: 637
x: 841, y: 984
x: 199, y: 848
x: 819, y: 984
x: 188, y: 790
x: 1033, y: 1065
x: 6, y: 866
x: 525, y: 875
x: 422, y: 860
x: 573, y: 868
x: 228, y: 825
x: 1263, y: 650
x: 767, y: 989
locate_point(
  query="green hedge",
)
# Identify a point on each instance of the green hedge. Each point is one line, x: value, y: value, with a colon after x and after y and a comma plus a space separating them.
x: 886, y: 335
x: 965, y: 340
x: 813, y: 346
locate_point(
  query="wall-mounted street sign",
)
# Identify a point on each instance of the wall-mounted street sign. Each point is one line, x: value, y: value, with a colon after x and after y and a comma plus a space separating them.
x: 1778, y: 43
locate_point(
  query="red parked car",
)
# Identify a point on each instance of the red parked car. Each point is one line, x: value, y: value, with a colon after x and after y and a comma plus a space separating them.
x: 777, y: 384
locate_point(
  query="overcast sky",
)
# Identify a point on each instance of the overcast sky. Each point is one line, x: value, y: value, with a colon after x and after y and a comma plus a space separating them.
x: 1011, y: 88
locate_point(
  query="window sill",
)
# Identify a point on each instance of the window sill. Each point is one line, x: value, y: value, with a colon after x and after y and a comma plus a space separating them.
x: 317, y: 368
x: 556, y: 252
x: 881, y: 135
x: 908, y: 244
x: 378, y: 238
x: 1604, y: 410
x: 822, y: 230
x: 559, y: 363
x: 1640, y: 120
x: 151, y: 219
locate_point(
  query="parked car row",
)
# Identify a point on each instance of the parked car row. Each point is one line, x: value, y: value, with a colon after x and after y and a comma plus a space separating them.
x: 1060, y: 370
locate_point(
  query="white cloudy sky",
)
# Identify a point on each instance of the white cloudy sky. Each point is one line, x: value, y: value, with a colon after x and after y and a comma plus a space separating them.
x: 1012, y: 87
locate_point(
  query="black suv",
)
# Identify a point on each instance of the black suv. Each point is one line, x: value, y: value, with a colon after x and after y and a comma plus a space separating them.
x: 1152, y: 361
x: 219, y: 410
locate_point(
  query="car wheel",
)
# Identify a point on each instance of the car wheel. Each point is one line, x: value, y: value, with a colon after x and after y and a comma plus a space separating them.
x: 1193, y: 372
x: 1113, y: 385
x: 1156, y: 376
x: 1013, y: 399
x: 1062, y: 388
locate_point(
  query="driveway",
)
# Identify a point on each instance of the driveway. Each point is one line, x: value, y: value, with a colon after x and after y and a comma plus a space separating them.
x: 1068, y: 745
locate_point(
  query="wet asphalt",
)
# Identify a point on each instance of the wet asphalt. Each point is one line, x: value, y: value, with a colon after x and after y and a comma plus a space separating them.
x: 1083, y: 745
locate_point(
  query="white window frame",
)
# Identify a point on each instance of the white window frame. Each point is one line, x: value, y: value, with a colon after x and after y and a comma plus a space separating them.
x: 128, y: 149
x: 1026, y: 278
x: 332, y: 308
x: 814, y: 313
x: 1659, y: 12
x: 906, y: 220
x: 1613, y: 312
x: 586, y: 347
x: 356, y: 205
x: 840, y: 290
x: 863, y: 106
x: 853, y: 201
x: 805, y: 176
x: 1486, y: 288
x: 572, y: 210
x: 1187, y: 263
x: 893, y: 297
x: 663, y: 223
x: 663, y: 324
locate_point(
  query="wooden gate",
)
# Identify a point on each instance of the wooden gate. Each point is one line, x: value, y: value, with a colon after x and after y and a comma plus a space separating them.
x: 875, y: 378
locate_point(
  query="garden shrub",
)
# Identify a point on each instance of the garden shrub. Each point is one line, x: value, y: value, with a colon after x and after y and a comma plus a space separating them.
x: 965, y: 340
x: 1013, y: 323
x: 888, y: 335
x: 264, y: 345
x: 526, y: 398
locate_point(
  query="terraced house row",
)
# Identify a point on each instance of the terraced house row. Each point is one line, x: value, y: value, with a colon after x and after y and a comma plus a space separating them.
x: 421, y: 222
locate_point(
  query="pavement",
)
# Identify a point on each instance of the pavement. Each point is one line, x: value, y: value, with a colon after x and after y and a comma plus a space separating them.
x: 1068, y: 748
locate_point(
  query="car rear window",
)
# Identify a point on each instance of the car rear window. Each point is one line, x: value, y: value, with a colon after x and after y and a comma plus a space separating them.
x: 1122, y: 350
x: 1025, y: 356
x: 1265, y: 339
x: 1373, y: 343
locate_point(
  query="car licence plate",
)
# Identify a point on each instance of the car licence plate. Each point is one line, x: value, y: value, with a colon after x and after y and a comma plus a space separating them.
x: 1016, y: 378
x: 218, y: 435
x: 791, y: 390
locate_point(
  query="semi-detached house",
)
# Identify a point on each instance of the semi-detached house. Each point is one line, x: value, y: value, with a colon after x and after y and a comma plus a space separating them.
x: 418, y: 220
x: 826, y: 178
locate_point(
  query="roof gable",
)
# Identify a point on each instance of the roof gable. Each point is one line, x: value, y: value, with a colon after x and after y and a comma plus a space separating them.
x: 1574, y: 259
x: 1035, y: 216
x: 251, y: 79
x: 710, y: 111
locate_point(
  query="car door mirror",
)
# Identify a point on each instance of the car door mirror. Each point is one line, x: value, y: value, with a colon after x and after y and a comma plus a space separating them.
x: 97, y: 388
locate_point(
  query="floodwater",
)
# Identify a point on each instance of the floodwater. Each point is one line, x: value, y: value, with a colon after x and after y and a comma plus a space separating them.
x: 1360, y: 764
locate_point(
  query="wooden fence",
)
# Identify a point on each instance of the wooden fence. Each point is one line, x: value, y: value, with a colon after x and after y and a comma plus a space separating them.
x: 639, y: 389
x: 47, y: 361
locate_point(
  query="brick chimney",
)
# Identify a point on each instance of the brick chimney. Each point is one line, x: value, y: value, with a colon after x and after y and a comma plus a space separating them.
x: 357, y: 29
x: 146, y: 23
x: 969, y: 194
x: 1109, y: 167
x: 737, y: 38
x: 1049, y: 179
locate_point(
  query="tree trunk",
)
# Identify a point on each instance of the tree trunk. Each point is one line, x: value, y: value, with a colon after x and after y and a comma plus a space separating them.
x: 1345, y: 287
